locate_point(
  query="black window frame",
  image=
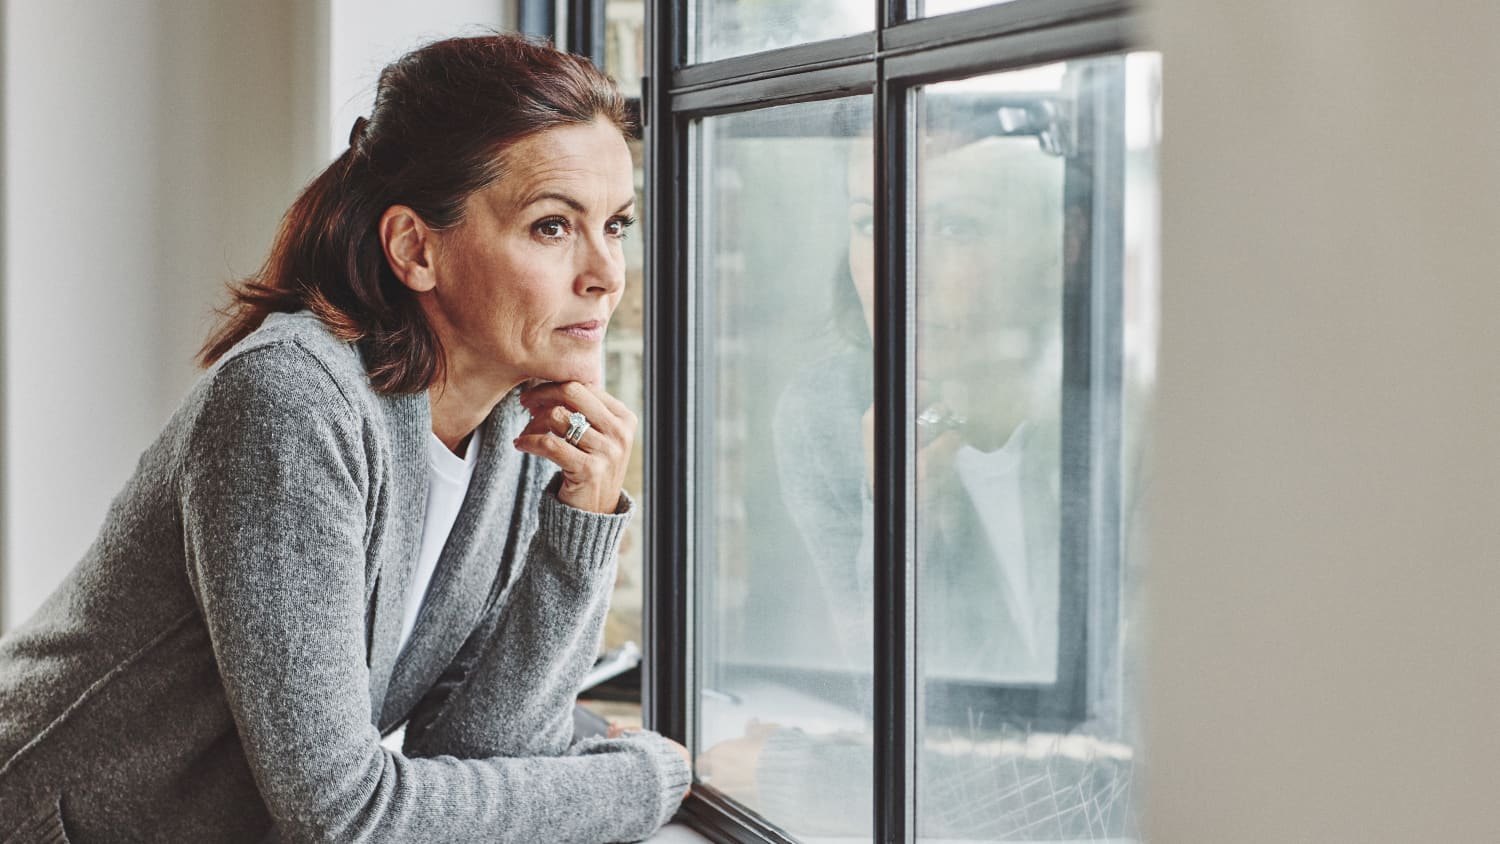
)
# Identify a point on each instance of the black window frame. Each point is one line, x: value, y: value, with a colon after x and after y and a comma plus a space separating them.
x: 887, y: 63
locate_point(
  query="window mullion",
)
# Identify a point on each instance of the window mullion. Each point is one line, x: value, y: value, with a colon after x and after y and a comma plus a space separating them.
x: 664, y: 685
x: 586, y: 29
x: 894, y: 583
x: 537, y: 17
x: 891, y: 12
x: 1104, y: 109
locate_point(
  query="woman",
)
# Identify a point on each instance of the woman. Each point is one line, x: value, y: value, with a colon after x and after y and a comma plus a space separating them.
x: 394, y: 497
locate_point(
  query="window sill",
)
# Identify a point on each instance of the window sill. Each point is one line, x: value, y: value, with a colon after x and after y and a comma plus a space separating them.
x: 676, y: 833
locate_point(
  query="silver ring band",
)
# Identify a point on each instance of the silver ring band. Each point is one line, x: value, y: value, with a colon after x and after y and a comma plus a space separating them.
x: 578, y: 425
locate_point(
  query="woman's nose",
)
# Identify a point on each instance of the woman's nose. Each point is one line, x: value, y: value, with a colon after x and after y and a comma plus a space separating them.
x: 602, y: 268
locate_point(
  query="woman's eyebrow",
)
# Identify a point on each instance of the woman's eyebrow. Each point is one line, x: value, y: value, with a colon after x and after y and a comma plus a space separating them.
x: 571, y: 202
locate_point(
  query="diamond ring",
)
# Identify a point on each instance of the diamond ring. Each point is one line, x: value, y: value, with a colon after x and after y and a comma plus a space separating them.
x: 578, y: 425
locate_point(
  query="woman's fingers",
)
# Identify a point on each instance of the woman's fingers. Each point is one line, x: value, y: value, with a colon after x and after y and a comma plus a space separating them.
x: 575, y: 464
x: 557, y: 421
x: 593, y: 464
x: 616, y: 729
x: 936, y: 458
x: 575, y: 397
x: 610, y: 422
x: 619, y: 407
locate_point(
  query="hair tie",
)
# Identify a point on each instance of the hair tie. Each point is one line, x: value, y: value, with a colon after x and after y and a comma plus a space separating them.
x: 357, y: 132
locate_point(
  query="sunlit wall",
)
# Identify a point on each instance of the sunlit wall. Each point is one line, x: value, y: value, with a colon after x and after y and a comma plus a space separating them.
x: 1325, y: 650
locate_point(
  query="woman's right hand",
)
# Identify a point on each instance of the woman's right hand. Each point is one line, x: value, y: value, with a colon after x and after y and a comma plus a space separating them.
x: 731, y: 765
x: 935, y: 470
x: 616, y: 730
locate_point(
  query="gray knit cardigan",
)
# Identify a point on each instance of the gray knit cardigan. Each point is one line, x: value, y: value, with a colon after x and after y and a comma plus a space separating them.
x: 223, y: 662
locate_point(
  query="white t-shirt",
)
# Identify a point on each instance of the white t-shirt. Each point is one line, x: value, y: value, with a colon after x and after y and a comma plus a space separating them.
x: 445, y: 496
x: 993, y: 481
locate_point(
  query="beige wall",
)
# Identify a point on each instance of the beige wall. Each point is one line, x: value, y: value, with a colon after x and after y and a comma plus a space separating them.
x: 1325, y: 590
x: 150, y: 148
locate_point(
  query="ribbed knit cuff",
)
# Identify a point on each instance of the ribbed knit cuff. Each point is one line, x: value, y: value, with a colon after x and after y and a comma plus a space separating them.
x: 676, y: 775
x: 587, y: 540
x: 663, y: 773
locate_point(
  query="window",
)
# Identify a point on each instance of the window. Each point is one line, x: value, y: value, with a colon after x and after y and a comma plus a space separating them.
x: 901, y: 309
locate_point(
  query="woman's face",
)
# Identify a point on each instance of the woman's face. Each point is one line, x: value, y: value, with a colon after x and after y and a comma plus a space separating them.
x: 988, y: 278
x: 526, y: 283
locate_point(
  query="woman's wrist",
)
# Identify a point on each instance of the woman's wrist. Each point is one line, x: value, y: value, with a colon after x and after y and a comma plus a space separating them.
x: 587, y: 540
x: 592, y: 500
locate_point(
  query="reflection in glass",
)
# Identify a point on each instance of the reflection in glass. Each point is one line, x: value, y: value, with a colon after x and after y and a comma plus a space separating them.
x: 1034, y: 341
x: 988, y: 372
x: 724, y: 28
x: 1026, y: 730
x: 782, y: 659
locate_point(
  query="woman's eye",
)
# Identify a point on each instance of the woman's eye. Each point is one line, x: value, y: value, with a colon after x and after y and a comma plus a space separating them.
x: 553, y: 228
x: 863, y: 225
x: 957, y: 228
x: 617, y: 226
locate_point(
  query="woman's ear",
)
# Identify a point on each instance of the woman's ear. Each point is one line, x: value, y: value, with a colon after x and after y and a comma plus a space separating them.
x: 409, y: 246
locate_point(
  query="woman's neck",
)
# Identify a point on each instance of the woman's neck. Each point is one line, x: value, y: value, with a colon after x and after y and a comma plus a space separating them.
x: 462, y: 400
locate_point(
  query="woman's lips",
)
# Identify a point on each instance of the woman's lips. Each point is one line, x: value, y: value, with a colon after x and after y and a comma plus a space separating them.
x: 591, y: 331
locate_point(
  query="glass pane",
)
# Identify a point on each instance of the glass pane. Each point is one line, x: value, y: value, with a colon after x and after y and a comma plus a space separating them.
x: 724, y: 28
x: 782, y: 382
x: 932, y: 8
x: 1035, y: 294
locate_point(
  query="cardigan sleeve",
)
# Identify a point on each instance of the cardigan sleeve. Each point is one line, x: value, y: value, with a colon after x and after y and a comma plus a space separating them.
x: 272, y: 489
x: 510, y: 690
x: 512, y: 687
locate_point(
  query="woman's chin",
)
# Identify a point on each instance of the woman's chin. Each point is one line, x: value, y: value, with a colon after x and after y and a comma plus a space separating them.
x: 585, y: 373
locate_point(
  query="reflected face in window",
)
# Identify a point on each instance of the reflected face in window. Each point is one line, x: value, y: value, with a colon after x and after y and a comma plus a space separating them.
x: 528, y: 280
x: 989, y: 274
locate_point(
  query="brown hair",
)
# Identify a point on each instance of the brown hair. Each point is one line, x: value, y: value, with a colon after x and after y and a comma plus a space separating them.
x: 443, y: 115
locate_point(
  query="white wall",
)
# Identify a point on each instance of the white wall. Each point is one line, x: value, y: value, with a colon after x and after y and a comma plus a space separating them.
x: 1325, y: 588
x: 366, y: 35
x: 150, y: 148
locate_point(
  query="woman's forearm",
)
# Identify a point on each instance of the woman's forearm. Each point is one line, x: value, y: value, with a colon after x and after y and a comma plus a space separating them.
x: 511, y: 688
